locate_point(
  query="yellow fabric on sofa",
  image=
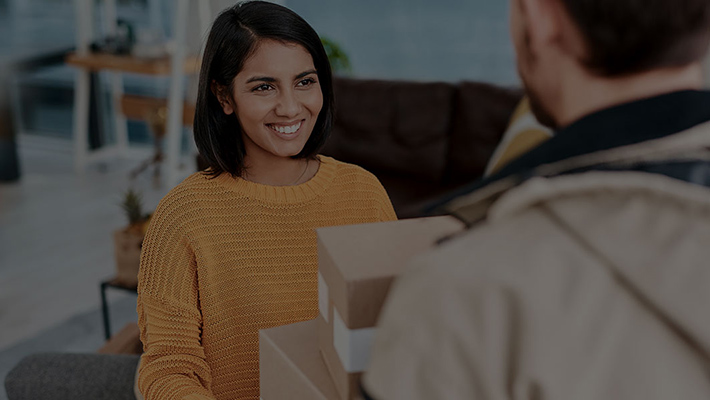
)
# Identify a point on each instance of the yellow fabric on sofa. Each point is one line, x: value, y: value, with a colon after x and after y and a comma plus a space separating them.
x: 524, y: 133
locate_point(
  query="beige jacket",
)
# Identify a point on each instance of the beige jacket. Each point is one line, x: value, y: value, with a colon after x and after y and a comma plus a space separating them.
x: 585, y: 286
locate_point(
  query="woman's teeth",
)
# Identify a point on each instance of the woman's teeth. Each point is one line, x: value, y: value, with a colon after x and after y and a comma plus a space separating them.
x: 286, y: 129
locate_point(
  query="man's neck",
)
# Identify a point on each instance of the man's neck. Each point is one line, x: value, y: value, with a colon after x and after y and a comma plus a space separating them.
x: 584, y: 94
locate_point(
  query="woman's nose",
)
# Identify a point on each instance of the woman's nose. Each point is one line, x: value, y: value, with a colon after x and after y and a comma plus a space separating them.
x: 288, y: 105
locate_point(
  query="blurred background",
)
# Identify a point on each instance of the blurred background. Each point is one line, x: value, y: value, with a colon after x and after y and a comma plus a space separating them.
x: 424, y: 40
x: 60, y: 212
x: 58, y: 220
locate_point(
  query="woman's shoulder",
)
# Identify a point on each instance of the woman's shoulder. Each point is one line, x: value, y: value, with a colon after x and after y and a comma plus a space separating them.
x: 193, y: 184
x: 352, y: 181
x: 346, y: 170
x: 185, y: 196
x: 348, y: 178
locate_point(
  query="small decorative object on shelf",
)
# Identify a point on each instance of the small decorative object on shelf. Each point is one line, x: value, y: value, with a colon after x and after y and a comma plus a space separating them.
x: 119, y: 44
x: 128, y: 241
x: 150, y: 45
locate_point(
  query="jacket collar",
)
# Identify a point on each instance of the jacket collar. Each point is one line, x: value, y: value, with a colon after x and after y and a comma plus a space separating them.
x: 615, y: 127
x: 619, y: 126
x: 693, y: 143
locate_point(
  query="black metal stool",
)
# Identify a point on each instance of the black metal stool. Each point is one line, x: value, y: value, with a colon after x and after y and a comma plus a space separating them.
x: 111, y: 283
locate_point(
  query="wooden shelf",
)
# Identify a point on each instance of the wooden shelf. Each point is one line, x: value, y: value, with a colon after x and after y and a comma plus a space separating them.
x: 98, y: 61
x: 139, y: 108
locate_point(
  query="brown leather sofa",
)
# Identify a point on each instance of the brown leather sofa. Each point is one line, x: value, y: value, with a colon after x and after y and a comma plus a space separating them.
x: 421, y: 140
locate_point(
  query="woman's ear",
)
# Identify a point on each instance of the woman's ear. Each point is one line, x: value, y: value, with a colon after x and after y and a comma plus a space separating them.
x: 223, y: 97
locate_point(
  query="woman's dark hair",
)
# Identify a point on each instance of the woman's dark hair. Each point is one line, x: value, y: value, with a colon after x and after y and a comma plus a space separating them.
x: 232, y: 40
x: 629, y: 36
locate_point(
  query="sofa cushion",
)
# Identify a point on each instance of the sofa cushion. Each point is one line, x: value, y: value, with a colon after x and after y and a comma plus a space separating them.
x: 399, y: 127
x: 481, y: 115
x: 410, y: 197
x: 524, y: 133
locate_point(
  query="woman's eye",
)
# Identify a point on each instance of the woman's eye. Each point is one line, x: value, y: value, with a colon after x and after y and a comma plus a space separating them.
x: 262, y: 88
x: 306, y: 82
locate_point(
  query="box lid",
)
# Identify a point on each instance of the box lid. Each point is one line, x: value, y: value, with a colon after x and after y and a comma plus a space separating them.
x: 359, y: 262
x: 290, y: 364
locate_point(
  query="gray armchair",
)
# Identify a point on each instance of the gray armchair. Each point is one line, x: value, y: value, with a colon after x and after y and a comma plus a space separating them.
x: 60, y: 376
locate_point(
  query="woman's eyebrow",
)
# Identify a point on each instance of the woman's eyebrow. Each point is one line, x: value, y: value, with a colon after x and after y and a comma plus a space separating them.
x: 271, y: 80
x: 306, y: 73
x: 262, y: 79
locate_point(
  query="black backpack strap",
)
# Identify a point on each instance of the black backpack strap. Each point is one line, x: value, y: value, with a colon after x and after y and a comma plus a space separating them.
x: 473, y: 209
x: 696, y: 171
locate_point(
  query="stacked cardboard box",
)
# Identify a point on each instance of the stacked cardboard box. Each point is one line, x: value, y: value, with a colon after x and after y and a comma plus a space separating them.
x: 324, y: 358
x: 290, y: 366
x: 357, y: 264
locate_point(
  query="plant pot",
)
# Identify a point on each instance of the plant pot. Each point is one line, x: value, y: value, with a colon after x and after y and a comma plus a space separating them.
x: 127, y: 246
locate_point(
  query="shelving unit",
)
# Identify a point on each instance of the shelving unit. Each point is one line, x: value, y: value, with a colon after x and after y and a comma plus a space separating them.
x: 176, y: 67
x: 136, y: 107
x: 99, y: 62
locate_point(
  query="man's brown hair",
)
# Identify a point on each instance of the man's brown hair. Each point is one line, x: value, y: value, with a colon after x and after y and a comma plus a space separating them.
x: 630, y: 36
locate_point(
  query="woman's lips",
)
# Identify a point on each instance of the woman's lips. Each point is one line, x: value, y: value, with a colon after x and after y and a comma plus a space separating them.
x: 288, y: 130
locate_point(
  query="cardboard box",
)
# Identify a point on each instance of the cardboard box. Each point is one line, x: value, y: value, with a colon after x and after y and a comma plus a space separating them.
x: 357, y: 265
x: 346, y: 383
x: 290, y: 366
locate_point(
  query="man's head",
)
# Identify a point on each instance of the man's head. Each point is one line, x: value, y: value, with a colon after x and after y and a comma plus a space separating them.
x: 602, y: 40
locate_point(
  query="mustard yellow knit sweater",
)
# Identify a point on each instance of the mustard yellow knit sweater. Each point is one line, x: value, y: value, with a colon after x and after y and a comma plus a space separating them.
x: 224, y: 258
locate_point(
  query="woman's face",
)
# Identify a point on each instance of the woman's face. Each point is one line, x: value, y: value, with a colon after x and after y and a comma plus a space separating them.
x: 277, y: 98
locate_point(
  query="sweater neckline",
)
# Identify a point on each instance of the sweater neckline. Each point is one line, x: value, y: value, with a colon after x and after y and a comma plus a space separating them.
x: 283, y: 194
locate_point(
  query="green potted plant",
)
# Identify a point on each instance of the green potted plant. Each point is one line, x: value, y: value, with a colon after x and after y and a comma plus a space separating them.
x: 339, y: 60
x: 128, y: 240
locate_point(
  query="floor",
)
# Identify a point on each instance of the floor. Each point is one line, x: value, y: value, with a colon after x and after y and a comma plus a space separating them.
x: 55, y: 236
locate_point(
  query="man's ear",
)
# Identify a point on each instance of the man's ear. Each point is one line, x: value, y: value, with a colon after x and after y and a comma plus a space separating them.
x: 550, y: 24
x: 543, y: 23
x: 222, y: 94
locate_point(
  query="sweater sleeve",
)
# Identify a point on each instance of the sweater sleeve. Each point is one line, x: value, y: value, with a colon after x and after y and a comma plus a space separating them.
x: 173, y: 364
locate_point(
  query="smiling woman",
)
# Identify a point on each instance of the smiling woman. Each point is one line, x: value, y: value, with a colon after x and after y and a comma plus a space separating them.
x: 279, y: 101
x: 232, y: 250
x: 263, y: 67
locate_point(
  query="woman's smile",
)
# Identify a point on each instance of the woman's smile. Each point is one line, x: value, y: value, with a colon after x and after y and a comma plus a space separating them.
x: 287, y: 130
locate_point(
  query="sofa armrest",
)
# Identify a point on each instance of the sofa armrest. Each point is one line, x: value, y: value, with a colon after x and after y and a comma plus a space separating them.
x: 55, y: 376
